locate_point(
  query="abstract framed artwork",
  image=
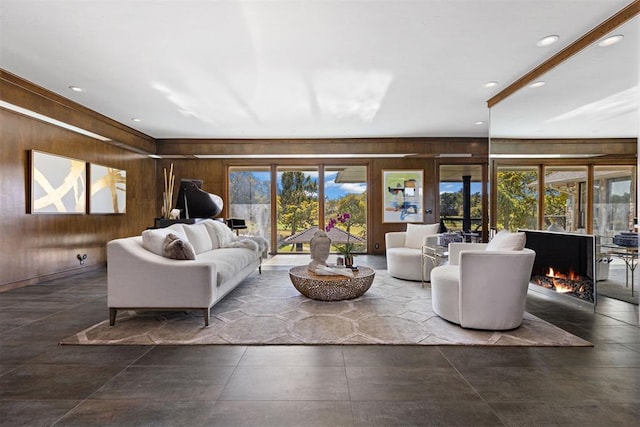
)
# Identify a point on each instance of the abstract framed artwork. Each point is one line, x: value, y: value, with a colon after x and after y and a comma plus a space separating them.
x: 403, y: 195
x: 58, y: 184
x: 108, y: 189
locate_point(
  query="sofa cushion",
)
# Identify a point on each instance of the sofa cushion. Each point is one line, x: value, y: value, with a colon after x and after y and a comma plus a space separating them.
x: 153, y: 240
x: 176, y: 248
x: 198, y: 236
x: 507, y: 241
x: 229, y: 261
x: 417, y: 232
x: 212, y: 227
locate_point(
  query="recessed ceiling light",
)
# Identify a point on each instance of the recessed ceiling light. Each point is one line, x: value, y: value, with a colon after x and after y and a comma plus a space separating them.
x: 135, y: 119
x: 611, y: 40
x: 491, y: 84
x: 537, y: 84
x: 480, y: 123
x: 76, y: 89
x: 548, y: 40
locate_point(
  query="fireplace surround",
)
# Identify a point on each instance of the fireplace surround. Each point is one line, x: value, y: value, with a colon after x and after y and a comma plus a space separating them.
x: 564, y: 267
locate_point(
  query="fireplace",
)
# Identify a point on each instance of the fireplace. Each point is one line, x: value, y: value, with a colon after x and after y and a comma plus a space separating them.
x: 564, y: 264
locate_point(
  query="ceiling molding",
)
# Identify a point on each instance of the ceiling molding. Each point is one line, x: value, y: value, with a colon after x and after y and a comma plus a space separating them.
x: 26, y: 95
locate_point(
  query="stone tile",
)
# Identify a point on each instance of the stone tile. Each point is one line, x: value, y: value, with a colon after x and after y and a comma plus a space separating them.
x: 625, y: 334
x: 95, y: 355
x: 287, y: 383
x: 406, y: 384
x: 281, y: 414
x: 282, y: 356
x: 64, y: 382
x: 33, y: 412
x: 611, y: 384
x: 12, y: 317
x: 393, y: 356
x: 423, y: 413
x: 199, y: 382
x: 535, y: 384
x: 474, y: 358
x: 132, y: 412
x: 534, y: 414
x: 192, y: 355
x: 20, y: 351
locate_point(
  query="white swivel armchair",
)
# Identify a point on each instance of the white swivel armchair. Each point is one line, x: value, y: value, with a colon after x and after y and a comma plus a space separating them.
x: 404, y: 251
x: 482, y: 289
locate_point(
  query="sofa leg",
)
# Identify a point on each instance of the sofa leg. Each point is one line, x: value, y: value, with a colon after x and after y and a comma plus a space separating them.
x: 205, y: 313
x: 260, y: 269
x: 112, y: 316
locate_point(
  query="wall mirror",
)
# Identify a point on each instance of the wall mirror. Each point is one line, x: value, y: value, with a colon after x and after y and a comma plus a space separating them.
x: 563, y: 155
x: 584, y: 117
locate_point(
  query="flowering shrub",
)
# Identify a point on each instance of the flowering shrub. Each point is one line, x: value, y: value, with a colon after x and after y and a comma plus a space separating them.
x: 343, y: 218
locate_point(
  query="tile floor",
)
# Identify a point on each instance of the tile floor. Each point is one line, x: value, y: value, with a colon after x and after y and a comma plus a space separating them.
x: 42, y: 383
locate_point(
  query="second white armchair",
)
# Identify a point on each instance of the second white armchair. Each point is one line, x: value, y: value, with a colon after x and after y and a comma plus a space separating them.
x: 482, y: 289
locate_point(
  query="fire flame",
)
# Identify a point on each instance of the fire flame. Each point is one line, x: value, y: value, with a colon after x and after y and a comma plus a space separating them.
x: 558, y: 284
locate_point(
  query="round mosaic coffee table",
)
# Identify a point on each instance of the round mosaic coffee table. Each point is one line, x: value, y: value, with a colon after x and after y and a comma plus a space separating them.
x: 331, y: 288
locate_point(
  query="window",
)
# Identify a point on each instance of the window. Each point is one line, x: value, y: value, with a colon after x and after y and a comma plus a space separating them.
x: 453, y: 179
x: 565, y: 198
x: 297, y: 207
x: 517, y: 197
x: 614, y: 199
x: 250, y: 199
x: 345, y: 191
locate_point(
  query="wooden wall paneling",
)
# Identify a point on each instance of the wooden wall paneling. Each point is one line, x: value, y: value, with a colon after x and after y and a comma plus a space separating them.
x: 419, y: 147
x: 39, y: 246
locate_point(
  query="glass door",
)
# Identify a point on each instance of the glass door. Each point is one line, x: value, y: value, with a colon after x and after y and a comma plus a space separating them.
x: 297, y: 207
x: 250, y: 199
x: 345, y: 192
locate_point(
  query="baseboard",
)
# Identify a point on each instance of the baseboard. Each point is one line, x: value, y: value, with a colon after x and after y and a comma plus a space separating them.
x: 59, y: 275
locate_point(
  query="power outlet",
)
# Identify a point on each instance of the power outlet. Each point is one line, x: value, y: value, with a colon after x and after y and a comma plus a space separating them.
x: 377, y: 246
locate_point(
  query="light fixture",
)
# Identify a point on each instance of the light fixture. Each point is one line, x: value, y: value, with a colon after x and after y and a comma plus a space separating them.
x: 491, y: 84
x: 155, y: 156
x: 537, y: 84
x: 135, y: 119
x: 548, y: 40
x: 479, y: 123
x: 610, y: 40
x: 76, y: 89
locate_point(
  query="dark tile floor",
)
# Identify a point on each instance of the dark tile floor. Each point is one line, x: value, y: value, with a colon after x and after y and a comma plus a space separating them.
x: 42, y: 383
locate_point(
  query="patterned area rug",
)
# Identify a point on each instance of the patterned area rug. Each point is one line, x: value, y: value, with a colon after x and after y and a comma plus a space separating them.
x: 267, y: 309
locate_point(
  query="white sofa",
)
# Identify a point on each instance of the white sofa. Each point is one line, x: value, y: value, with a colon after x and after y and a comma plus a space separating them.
x: 140, y: 277
x: 483, y: 286
x: 404, y: 251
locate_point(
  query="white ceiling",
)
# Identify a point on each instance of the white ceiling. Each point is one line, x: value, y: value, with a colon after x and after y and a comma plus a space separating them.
x: 288, y: 69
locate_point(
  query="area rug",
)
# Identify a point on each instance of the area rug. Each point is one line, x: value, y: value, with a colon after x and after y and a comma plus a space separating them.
x: 267, y: 310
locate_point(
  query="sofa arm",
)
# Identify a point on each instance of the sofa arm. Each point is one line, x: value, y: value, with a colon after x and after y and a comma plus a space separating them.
x: 394, y: 239
x: 138, y: 278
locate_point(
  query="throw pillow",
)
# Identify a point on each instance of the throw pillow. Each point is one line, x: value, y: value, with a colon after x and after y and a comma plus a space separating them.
x: 416, y: 233
x: 153, y: 240
x: 176, y: 248
x: 506, y: 241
